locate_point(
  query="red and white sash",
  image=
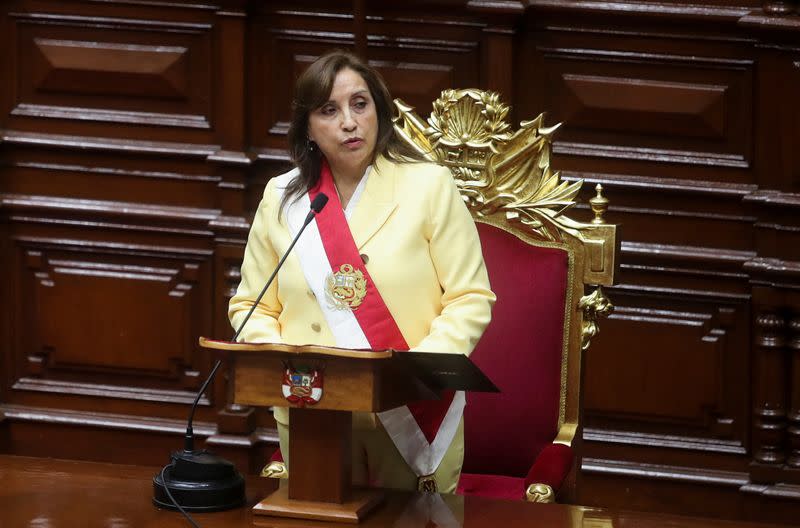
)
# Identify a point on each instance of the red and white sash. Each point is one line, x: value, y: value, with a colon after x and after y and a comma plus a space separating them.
x: 423, y: 431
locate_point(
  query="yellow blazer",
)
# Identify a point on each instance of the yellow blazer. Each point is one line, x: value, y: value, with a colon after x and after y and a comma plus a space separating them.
x: 422, y: 251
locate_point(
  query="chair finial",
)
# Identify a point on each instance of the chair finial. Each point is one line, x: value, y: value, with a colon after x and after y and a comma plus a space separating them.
x: 540, y: 493
x: 599, y: 205
x: 276, y: 470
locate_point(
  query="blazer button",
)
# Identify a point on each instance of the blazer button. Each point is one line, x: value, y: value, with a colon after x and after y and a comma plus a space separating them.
x: 316, y: 327
x: 364, y: 258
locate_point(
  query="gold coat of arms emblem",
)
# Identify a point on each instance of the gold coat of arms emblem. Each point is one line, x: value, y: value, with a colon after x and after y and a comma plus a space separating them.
x: 346, y: 288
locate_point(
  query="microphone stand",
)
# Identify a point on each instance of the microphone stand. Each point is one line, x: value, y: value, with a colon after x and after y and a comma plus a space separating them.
x: 196, y: 480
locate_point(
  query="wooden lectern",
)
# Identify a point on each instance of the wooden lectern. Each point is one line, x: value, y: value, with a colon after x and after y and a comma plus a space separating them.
x: 321, y: 432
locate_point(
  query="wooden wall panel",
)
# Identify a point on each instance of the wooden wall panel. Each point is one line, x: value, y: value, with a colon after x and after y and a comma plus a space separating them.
x: 81, y: 71
x: 674, y: 119
x: 416, y: 56
x: 136, y: 137
x: 661, y: 107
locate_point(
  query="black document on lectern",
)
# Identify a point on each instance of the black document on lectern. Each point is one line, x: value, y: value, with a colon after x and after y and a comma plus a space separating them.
x: 440, y: 371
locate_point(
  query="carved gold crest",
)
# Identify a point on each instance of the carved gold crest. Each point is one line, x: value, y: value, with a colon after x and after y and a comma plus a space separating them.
x: 498, y: 171
x: 346, y: 288
x: 504, y: 176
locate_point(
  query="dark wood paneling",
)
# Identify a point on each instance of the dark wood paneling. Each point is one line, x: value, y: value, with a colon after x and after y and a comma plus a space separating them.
x: 78, y: 71
x: 417, y: 56
x: 646, y: 375
x: 136, y: 138
x: 682, y: 112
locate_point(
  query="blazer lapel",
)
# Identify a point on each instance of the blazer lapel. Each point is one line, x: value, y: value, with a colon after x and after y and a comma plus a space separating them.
x: 376, y: 204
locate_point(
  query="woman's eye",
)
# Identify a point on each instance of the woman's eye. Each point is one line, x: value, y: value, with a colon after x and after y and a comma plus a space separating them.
x: 360, y: 105
x: 327, y: 110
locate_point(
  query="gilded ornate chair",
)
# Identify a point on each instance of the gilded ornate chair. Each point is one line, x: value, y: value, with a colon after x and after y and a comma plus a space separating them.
x: 521, y: 443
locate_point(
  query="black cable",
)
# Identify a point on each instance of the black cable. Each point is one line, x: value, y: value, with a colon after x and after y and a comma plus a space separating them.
x: 169, y: 494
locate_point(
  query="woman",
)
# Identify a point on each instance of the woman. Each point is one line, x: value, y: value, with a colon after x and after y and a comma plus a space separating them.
x: 393, y: 261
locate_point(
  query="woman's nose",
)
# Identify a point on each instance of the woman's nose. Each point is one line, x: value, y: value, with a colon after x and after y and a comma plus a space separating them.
x: 348, y: 123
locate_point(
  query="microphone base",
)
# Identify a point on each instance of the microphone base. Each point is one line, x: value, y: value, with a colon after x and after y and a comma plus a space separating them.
x: 199, y: 482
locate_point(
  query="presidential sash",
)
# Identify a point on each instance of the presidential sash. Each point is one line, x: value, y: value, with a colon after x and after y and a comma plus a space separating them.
x: 359, y: 318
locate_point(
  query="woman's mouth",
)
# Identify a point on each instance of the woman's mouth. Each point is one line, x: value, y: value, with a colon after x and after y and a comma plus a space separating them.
x: 353, y: 142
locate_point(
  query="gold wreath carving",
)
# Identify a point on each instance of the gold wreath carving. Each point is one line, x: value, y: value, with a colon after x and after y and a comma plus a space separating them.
x: 497, y: 170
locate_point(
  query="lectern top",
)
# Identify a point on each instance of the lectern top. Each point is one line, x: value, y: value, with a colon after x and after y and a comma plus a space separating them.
x: 295, y: 349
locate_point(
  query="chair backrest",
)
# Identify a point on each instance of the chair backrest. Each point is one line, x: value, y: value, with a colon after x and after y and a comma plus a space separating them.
x: 539, y: 262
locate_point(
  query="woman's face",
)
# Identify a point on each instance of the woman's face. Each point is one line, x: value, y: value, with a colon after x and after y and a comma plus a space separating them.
x: 346, y: 127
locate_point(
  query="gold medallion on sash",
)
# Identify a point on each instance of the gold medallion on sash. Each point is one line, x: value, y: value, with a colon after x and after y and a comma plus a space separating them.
x: 346, y: 288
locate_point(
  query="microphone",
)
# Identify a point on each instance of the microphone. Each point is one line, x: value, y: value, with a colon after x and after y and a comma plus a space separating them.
x: 317, y: 204
x: 204, y: 482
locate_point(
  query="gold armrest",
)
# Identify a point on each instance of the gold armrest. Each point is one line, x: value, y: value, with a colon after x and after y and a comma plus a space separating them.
x: 275, y: 470
x: 540, y: 493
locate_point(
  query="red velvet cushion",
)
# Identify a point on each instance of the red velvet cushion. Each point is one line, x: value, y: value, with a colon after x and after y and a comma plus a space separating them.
x: 550, y: 468
x: 491, y: 486
x: 521, y: 352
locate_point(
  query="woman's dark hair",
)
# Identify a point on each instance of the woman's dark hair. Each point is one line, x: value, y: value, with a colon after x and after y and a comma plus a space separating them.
x: 312, y: 90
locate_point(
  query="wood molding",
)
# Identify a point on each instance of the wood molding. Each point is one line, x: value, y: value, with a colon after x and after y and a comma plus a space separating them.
x: 650, y: 154
x: 679, y: 10
x: 665, y: 472
x: 636, y: 438
x: 774, y: 491
x: 761, y: 21
x: 125, y: 422
x: 108, y: 391
x: 504, y: 7
x: 773, y: 197
x: 773, y: 267
x: 106, y: 144
x: 111, y: 116
x: 686, y: 254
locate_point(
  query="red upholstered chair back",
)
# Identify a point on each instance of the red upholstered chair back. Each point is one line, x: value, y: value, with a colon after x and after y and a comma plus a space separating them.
x: 522, y: 352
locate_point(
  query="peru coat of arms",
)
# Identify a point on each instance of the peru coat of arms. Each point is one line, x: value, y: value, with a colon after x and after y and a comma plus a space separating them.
x: 301, y: 386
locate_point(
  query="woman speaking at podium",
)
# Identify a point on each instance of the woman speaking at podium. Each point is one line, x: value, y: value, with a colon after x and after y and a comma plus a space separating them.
x: 393, y: 261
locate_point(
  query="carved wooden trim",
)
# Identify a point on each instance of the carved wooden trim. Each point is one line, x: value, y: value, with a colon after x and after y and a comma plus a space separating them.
x: 687, y: 10
x: 645, y: 290
x: 766, y: 21
x: 22, y: 413
x: 659, y: 185
x: 111, y: 116
x: 777, y: 7
x: 773, y: 266
x: 104, y: 144
x: 650, y: 154
x: 506, y: 7
x: 793, y: 430
x: 116, y: 172
x: 687, y: 253
x: 776, y: 491
x: 773, y: 197
x: 59, y: 211
x: 711, y: 445
x: 769, y: 388
x: 109, y: 391
x: 664, y: 472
